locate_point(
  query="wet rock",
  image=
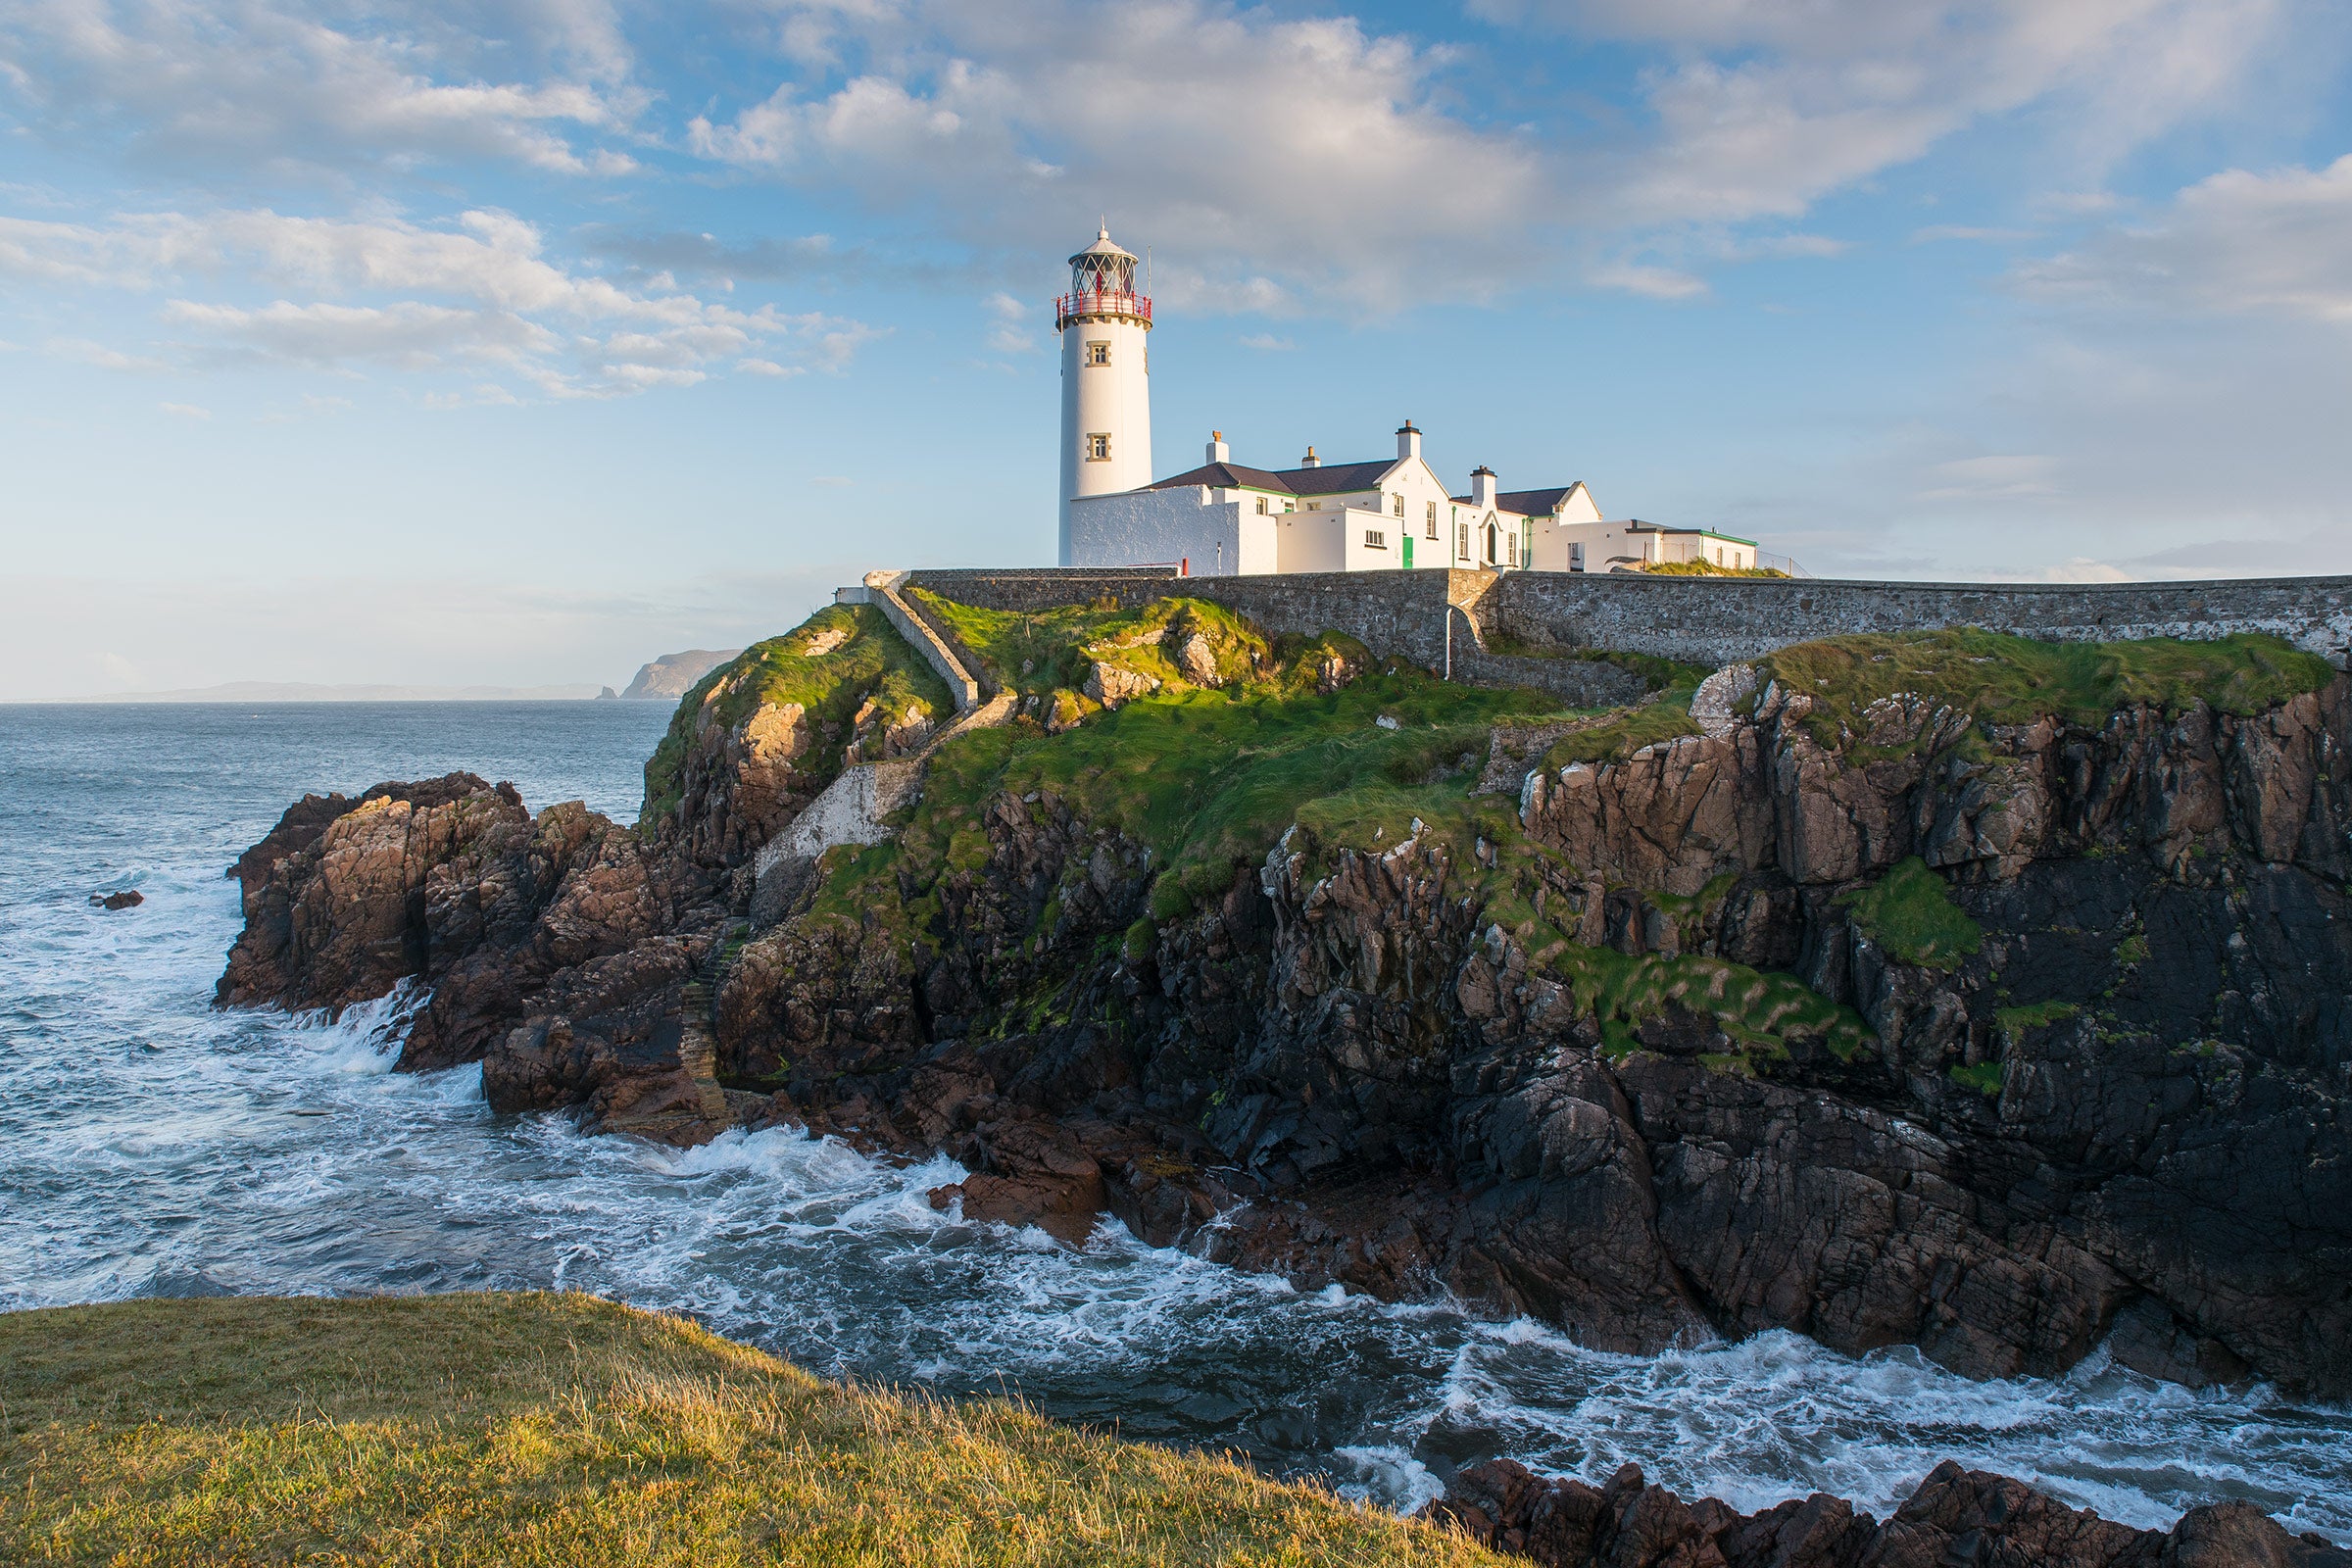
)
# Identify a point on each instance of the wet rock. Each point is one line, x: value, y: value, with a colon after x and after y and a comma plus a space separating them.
x: 1956, y: 1516
x: 128, y: 899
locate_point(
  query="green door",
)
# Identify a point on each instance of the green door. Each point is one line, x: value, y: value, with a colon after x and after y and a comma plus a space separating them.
x: 1408, y: 552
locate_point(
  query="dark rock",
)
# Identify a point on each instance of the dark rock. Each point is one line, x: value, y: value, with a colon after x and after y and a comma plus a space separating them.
x: 1955, y: 1517
x: 128, y: 899
x: 2118, y: 1119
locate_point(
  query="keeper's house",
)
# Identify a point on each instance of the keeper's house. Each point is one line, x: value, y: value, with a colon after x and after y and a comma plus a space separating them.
x: 1391, y: 514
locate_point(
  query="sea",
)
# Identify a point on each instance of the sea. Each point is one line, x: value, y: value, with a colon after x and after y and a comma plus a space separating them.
x: 151, y: 1146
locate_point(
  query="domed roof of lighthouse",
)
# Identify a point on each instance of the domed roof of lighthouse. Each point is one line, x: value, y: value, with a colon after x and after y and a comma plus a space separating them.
x: 1103, y: 245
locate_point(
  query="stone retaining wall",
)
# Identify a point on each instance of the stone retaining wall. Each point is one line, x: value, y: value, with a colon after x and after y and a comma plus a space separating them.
x: 1702, y: 621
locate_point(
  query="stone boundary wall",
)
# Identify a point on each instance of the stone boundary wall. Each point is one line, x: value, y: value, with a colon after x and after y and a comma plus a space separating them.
x: 1700, y: 621
x: 882, y: 592
x: 1722, y: 621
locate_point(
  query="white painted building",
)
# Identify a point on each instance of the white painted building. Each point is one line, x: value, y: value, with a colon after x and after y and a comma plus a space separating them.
x: 1228, y: 518
x: 1389, y: 514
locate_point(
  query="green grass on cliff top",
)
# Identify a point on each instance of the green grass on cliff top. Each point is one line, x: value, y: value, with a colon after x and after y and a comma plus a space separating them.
x: 872, y: 660
x: 2002, y: 679
x: 1209, y: 778
x: 504, y: 1429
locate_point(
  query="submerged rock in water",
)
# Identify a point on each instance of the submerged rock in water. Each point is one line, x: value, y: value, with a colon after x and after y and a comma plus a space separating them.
x: 1956, y: 1517
x: 128, y: 899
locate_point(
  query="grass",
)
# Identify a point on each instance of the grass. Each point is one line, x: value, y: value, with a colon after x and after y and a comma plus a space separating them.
x: 1984, y: 1078
x: 1758, y: 1010
x: 863, y: 659
x: 1652, y: 723
x: 534, y: 1429
x: 2000, y: 680
x: 1910, y: 915
x: 1708, y: 569
x: 1042, y: 651
x: 2014, y: 1021
x: 1208, y: 779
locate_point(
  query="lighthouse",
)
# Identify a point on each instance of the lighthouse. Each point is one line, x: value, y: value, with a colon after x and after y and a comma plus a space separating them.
x: 1106, y: 379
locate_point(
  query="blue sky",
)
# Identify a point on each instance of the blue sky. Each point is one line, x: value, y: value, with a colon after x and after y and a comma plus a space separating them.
x: 518, y: 341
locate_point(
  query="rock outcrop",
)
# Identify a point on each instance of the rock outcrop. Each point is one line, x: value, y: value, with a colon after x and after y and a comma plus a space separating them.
x: 1956, y: 1516
x: 558, y: 949
x: 1678, y: 1070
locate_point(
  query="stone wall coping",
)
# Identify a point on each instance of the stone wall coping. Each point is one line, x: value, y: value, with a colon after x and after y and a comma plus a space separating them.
x: 1646, y: 583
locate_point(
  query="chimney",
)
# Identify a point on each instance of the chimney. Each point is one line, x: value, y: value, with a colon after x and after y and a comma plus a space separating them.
x: 1409, y: 441
x: 1310, y: 460
x: 1218, y: 451
x: 1481, y: 486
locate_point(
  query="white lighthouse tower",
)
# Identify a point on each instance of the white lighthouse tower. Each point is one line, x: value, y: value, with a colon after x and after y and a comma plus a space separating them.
x: 1106, y: 379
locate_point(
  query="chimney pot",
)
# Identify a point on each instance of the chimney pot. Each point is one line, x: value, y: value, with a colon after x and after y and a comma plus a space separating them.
x: 1218, y: 451
x: 1409, y: 441
x: 1310, y: 460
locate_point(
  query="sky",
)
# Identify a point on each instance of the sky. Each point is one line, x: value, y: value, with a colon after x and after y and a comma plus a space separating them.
x: 519, y: 341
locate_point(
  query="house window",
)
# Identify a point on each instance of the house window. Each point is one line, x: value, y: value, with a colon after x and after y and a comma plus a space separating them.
x: 1098, y: 446
x: 1261, y: 506
x: 1462, y: 539
x: 1719, y: 555
x: 1374, y: 539
x: 1510, y: 547
x: 1290, y: 506
x: 1432, y: 530
x: 1399, y: 498
x: 1098, y: 353
x: 1314, y: 506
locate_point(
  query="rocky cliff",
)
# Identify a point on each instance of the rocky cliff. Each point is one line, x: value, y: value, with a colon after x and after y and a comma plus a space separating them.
x: 672, y: 675
x: 1888, y: 1010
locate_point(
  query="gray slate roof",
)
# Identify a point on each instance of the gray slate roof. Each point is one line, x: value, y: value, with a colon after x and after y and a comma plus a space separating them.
x: 1331, y: 479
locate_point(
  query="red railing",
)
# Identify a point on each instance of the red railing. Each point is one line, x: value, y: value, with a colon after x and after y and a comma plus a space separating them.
x: 1102, y: 302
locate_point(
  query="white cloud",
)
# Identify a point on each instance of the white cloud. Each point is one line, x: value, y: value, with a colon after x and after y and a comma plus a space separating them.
x: 2277, y: 243
x: 81, y: 351
x: 1305, y: 147
x: 1934, y: 233
x: 1761, y: 107
x: 1011, y: 335
x: 185, y: 411
x: 280, y: 85
x: 493, y: 297
x: 1651, y: 282
x: 1998, y: 477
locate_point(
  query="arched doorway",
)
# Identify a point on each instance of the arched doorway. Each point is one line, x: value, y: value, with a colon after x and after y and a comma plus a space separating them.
x: 1491, y: 557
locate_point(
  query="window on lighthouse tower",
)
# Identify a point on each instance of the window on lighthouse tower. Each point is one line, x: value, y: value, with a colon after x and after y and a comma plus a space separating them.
x: 1098, y: 446
x: 1098, y: 354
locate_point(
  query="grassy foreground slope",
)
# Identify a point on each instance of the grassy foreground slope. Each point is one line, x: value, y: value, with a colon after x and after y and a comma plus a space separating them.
x: 561, y: 1430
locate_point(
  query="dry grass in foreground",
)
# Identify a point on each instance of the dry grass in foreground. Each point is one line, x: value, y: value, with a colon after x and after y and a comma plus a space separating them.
x: 519, y: 1428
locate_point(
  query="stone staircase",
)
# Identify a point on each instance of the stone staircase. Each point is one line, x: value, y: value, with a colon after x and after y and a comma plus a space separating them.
x: 852, y: 809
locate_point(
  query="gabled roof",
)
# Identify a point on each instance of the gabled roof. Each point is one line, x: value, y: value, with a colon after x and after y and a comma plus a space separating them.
x: 1331, y: 479
x: 1537, y: 502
